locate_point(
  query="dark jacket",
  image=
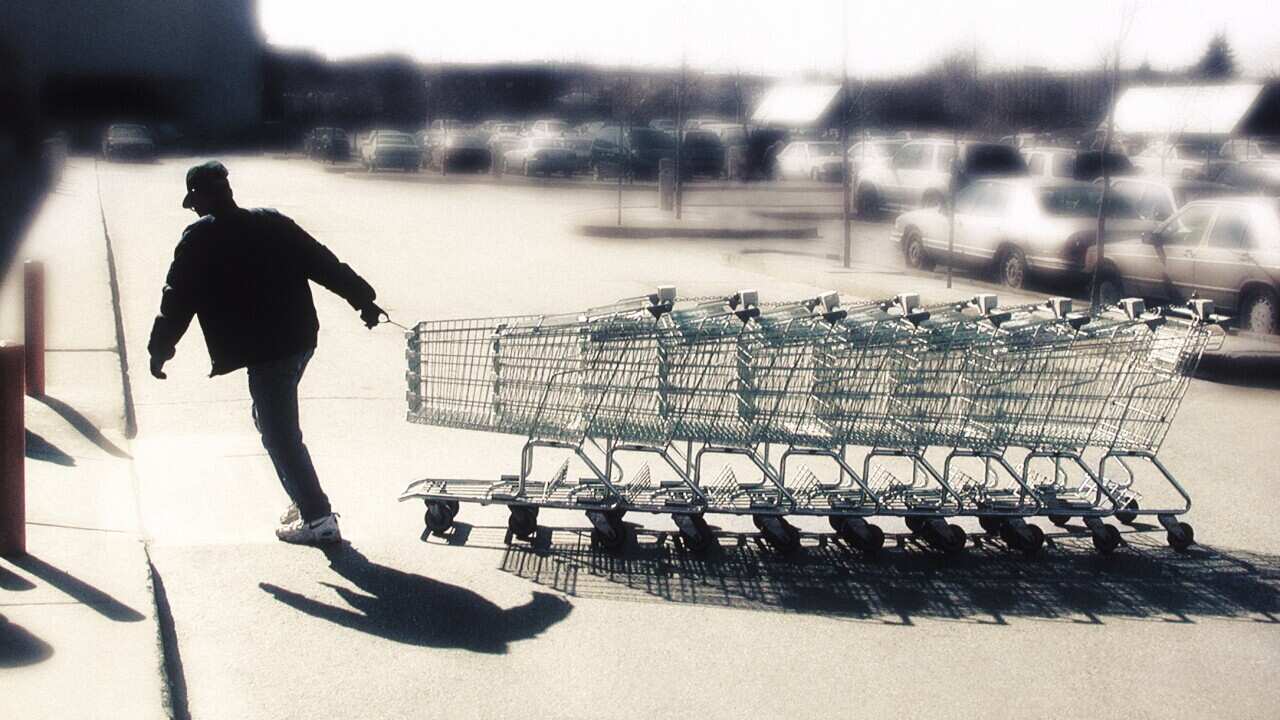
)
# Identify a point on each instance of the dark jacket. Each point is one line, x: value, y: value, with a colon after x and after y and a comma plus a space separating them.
x: 245, y: 277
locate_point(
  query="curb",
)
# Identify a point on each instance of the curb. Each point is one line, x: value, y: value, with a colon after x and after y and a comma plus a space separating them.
x: 643, y: 232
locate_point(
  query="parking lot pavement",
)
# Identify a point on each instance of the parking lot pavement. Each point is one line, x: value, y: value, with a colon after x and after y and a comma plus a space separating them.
x: 397, y: 625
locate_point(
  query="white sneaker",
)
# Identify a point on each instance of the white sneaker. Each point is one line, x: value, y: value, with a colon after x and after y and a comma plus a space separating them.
x: 317, y: 532
x: 290, y: 515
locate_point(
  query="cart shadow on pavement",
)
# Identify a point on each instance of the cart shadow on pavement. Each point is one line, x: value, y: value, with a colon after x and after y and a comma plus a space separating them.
x: 18, y: 647
x: 417, y: 610
x: 1067, y: 582
x: 37, y: 448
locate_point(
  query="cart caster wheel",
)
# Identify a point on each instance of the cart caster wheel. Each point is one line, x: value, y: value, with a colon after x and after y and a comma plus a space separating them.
x: 523, y: 522
x: 439, y: 517
x: 1060, y: 520
x: 916, y: 523
x: 1106, y: 539
x: 1128, y: 512
x: 991, y: 523
x: 695, y: 534
x: 781, y: 535
x: 1181, y: 536
x: 453, y: 506
x: 836, y: 521
x: 608, y: 531
x: 1030, y: 539
x: 956, y: 542
x: 758, y: 521
x: 1009, y: 534
x: 862, y: 535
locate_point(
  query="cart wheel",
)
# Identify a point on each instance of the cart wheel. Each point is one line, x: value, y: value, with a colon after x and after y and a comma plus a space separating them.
x: 1128, y: 512
x: 862, y: 535
x: 1060, y: 520
x: 1106, y: 539
x: 453, y: 506
x: 955, y: 543
x: 781, y: 535
x: 837, y: 522
x: 523, y: 521
x: 1031, y: 538
x: 610, y: 539
x: 695, y: 533
x: 439, y: 518
x: 991, y: 523
x: 1181, y: 536
x: 916, y: 523
x: 758, y: 521
x: 1009, y: 534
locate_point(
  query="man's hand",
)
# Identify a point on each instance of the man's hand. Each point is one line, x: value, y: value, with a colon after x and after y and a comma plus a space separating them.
x: 157, y: 368
x: 371, y: 314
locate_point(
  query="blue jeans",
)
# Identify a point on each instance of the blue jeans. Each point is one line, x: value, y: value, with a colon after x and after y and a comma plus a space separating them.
x: 273, y: 385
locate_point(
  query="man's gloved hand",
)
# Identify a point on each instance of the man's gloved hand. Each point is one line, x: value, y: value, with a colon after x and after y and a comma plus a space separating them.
x: 157, y: 368
x: 371, y: 314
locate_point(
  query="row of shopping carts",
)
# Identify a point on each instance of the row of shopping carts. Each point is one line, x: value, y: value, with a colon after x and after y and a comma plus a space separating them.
x: 849, y: 410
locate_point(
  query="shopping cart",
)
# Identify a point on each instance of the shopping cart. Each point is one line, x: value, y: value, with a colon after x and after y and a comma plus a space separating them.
x: 697, y: 384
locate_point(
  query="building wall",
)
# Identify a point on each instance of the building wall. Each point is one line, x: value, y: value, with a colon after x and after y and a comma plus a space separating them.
x: 195, y: 63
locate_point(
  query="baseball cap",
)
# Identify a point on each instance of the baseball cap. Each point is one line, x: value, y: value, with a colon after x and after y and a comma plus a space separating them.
x: 204, y: 177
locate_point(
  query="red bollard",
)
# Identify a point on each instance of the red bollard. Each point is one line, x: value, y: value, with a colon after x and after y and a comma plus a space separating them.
x: 33, y: 323
x: 13, y: 448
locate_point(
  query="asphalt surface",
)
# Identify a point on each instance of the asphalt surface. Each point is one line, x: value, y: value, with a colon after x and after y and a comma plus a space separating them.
x: 395, y: 624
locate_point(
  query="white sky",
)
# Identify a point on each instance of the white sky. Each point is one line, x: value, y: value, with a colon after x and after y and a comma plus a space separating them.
x: 779, y: 36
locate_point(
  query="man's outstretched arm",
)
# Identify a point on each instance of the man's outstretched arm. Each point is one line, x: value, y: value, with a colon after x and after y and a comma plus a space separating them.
x: 323, y: 267
x: 177, y: 307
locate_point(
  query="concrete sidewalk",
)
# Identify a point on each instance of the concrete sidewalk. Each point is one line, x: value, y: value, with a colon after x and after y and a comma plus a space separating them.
x: 79, y: 635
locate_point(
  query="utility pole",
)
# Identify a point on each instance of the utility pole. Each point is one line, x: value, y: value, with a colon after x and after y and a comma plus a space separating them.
x: 1095, y: 302
x: 680, y: 89
x: 844, y: 138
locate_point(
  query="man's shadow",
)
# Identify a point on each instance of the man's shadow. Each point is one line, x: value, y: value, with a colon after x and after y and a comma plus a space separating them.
x: 417, y: 610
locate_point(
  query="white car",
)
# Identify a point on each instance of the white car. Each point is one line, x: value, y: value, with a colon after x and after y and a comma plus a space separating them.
x: 1018, y: 226
x: 548, y: 128
x: 815, y: 160
x: 1178, y: 159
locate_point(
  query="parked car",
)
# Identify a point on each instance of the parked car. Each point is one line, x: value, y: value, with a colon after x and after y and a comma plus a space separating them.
x: 1157, y: 199
x: 1225, y: 249
x: 920, y: 173
x: 1017, y: 226
x: 390, y: 149
x: 701, y: 154
x: 540, y: 156
x: 695, y: 123
x: 815, y: 160
x: 548, y: 128
x: 461, y: 150
x: 126, y: 141
x: 634, y: 152
x: 1258, y: 176
x: 663, y: 124
x: 868, y: 153
x: 503, y: 137
x: 327, y: 144
x: 1180, y: 159
x: 1073, y: 164
x: 580, y: 145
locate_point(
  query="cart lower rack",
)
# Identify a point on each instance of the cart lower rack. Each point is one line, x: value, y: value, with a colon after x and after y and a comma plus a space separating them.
x: 811, y: 408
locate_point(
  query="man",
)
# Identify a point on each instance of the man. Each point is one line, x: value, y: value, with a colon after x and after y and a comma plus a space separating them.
x: 244, y: 274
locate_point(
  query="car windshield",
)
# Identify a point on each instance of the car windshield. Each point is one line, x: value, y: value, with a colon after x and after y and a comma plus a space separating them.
x: 1074, y: 201
x: 129, y: 131
x: 645, y: 138
x: 394, y: 139
x: 824, y: 149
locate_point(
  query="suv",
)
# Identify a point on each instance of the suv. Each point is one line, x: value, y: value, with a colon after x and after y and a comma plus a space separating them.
x: 1225, y: 249
x: 634, y: 152
x: 920, y: 173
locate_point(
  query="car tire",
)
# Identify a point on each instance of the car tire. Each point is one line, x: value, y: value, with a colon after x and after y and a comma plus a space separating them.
x: 1110, y: 289
x: 1012, y: 268
x: 1259, y: 313
x: 913, y: 250
x: 868, y: 203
